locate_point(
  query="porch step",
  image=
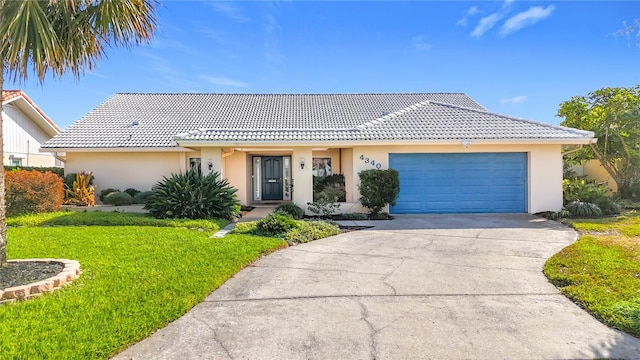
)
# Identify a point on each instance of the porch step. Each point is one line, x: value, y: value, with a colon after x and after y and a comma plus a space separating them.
x: 257, y: 213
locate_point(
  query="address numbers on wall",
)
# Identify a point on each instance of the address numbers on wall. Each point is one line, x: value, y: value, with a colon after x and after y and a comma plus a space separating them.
x: 371, y: 162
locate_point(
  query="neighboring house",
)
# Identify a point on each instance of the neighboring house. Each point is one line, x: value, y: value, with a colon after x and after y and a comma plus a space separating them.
x: 593, y: 170
x: 453, y: 155
x: 25, y: 129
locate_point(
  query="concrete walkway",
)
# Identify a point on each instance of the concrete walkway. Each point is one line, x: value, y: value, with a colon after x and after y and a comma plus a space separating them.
x: 418, y: 287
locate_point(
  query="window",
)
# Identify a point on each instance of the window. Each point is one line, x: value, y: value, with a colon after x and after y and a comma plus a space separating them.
x: 16, y: 162
x: 322, y: 167
x: 195, y: 163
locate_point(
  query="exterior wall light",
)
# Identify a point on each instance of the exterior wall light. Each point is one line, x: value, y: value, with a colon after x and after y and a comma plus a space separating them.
x: 302, y: 163
x: 210, y: 165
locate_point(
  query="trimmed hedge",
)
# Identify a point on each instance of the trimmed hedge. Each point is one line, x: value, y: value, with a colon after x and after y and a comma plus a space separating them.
x: 56, y: 170
x: 32, y: 192
x: 378, y: 188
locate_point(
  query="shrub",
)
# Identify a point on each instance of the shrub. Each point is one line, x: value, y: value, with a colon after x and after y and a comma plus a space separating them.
x: 106, y: 192
x: 354, y: 216
x: 142, y: 197
x: 276, y: 224
x: 132, y: 192
x: 192, y: 195
x: 329, y: 186
x: 378, y: 188
x: 311, y: 230
x: 71, y: 177
x: 293, y: 210
x: 583, y: 209
x: 118, y: 198
x: 589, y: 191
x: 81, y: 192
x: 324, y: 206
x: 32, y: 192
x: 56, y: 170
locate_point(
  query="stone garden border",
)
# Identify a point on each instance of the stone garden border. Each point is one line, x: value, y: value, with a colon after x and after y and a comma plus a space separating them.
x: 70, y: 272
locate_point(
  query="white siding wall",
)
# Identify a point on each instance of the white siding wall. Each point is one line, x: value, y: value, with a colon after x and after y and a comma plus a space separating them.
x: 23, y: 138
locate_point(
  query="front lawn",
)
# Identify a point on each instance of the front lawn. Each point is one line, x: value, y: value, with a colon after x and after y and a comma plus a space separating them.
x: 601, y: 271
x: 98, y: 218
x: 135, y: 280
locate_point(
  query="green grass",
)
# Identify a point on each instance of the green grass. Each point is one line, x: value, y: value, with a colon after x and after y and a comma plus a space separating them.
x: 627, y: 224
x: 135, y: 280
x: 601, y: 271
x: 98, y: 218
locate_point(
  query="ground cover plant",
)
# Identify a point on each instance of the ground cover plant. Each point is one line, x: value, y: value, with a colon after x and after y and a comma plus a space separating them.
x: 135, y: 280
x: 282, y: 226
x: 601, y: 271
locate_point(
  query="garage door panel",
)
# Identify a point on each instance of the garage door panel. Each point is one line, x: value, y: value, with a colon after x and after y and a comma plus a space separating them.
x: 450, y: 183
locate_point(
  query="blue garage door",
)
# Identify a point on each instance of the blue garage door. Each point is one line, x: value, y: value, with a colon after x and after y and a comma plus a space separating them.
x: 461, y: 183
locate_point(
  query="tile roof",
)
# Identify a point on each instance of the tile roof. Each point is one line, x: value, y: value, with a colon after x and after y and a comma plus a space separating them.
x: 159, y: 120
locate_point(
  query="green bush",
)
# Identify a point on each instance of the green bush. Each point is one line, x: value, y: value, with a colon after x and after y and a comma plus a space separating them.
x: 583, y: 209
x: 331, y: 186
x: 193, y: 195
x: 589, y: 191
x: 378, y: 188
x: 276, y: 224
x: 355, y: 216
x: 118, y: 198
x: 324, y: 206
x: 293, y: 210
x: 142, y: 197
x: 132, y: 192
x: 106, y: 192
x: 311, y: 230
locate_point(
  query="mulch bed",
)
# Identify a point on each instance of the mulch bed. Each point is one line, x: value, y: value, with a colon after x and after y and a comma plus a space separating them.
x: 27, y: 272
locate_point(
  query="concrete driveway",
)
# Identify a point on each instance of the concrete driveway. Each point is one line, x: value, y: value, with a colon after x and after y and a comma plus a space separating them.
x: 418, y: 287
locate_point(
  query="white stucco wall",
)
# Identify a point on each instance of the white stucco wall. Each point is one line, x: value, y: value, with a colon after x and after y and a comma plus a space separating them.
x: 141, y: 170
x: 544, y: 168
x: 121, y: 170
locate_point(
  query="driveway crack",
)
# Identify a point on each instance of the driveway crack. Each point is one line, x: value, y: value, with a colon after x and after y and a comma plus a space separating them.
x: 372, y: 332
x: 215, y: 336
x: 384, y: 279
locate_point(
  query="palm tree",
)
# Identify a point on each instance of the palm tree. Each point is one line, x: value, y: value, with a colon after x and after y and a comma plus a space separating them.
x: 43, y: 37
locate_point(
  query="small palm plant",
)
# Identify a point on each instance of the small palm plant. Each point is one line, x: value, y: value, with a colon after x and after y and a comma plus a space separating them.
x: 82, y: 193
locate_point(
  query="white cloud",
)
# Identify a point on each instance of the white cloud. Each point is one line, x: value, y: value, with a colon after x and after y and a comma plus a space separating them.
x: 507, y: 3
x: 514, y: 100
x: 229, y: 10
x: 526, y: 18
x: 419, y: 42
x: 485, y: 24
x: 218, y: 80
x: 472, y: 11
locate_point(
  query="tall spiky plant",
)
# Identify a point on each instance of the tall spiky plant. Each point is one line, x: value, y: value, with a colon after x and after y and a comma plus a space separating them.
x: 40, y: 37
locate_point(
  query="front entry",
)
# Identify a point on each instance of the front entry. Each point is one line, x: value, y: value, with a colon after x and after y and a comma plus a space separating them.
x: 271, y: 178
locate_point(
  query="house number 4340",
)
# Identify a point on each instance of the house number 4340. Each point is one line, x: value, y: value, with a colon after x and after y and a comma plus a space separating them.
x: 370, y: 162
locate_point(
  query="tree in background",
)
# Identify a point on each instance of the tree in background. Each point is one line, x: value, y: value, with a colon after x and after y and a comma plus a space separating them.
x: 38, y: 37
x: 613, y: 114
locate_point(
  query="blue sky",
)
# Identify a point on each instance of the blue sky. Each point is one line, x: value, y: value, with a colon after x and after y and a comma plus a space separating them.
x: 520, y: 58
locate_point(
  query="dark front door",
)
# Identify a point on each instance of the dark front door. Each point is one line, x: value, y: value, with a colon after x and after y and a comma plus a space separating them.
x: 272, y: 178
